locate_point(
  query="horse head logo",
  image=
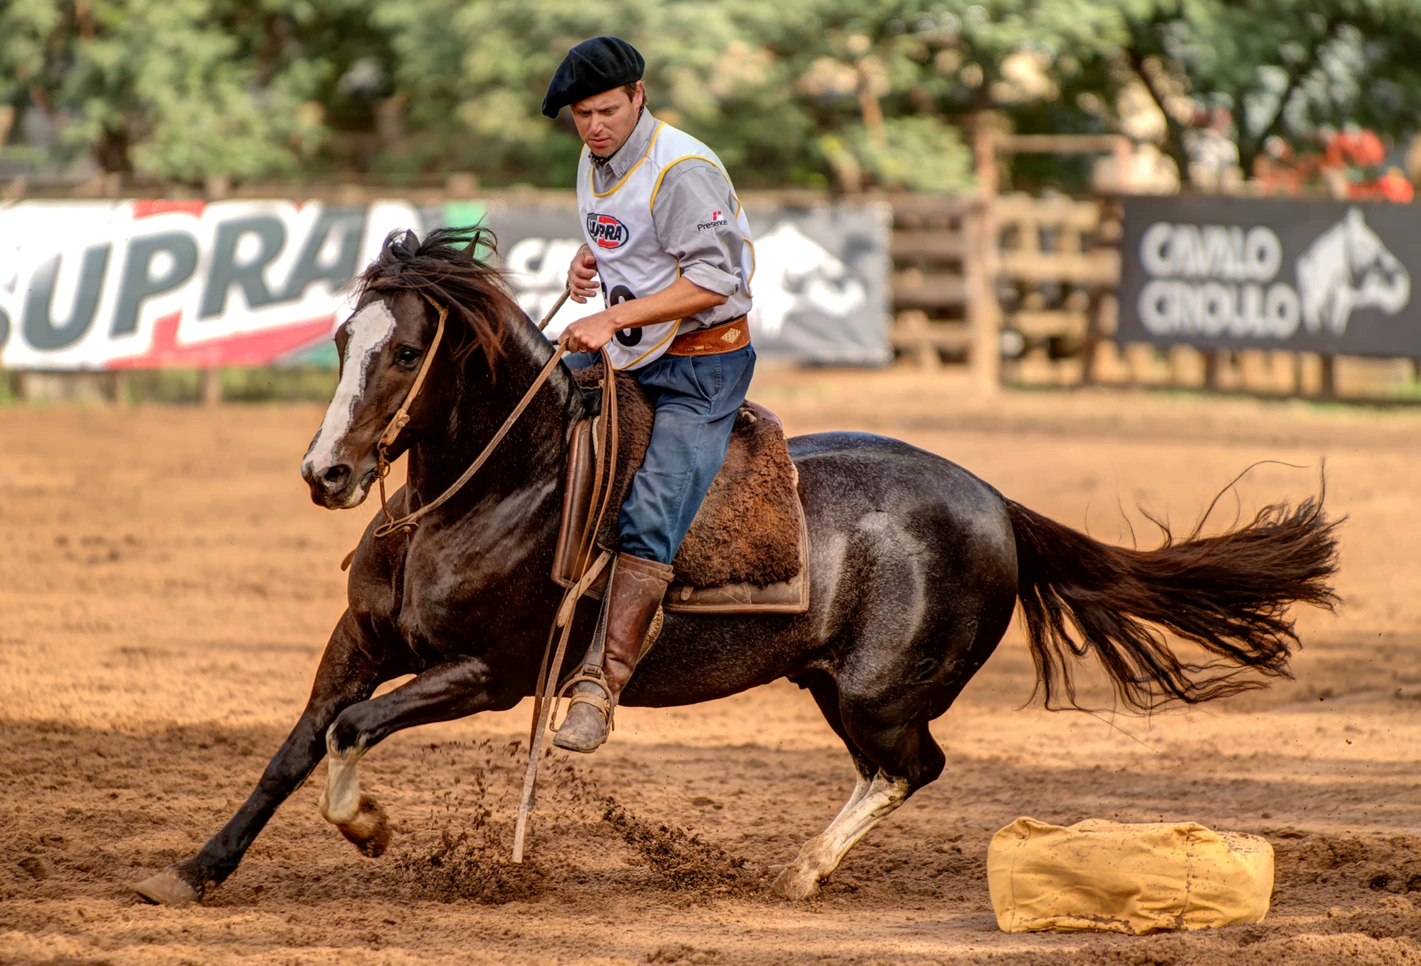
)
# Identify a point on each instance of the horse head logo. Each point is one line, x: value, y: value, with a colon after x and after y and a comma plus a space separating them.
x: 1347, y: 267
x: 794, y: 273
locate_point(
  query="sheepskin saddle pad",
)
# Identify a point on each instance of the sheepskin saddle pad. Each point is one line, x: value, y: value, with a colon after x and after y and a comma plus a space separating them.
x: 748, y: 547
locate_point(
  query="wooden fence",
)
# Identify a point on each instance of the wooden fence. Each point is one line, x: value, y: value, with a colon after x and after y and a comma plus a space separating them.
x: 931, y: 248
x: 1027, y: 278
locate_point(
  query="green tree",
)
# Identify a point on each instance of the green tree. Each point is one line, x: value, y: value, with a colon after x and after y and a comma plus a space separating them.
x: 849, y: 93
x: 172, y: 89
x: 1279, y: 67
x: 472, y: 76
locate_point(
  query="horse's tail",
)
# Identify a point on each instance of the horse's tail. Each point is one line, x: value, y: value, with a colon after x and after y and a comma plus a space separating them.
x: 1227, y: 593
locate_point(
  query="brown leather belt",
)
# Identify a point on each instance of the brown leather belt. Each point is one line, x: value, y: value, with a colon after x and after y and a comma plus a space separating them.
x: 725, y: 337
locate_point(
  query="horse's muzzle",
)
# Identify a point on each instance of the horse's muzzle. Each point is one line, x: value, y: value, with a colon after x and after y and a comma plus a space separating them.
x: 335, y: 487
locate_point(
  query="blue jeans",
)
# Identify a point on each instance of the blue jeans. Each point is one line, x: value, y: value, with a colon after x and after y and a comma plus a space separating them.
x: 696, y: 399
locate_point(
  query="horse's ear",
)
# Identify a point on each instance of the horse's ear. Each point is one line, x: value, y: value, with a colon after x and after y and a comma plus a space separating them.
x: 480, y: 244
x: 411, y: 240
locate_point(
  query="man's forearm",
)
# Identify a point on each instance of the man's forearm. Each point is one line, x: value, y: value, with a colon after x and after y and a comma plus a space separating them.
x: 681, y: 299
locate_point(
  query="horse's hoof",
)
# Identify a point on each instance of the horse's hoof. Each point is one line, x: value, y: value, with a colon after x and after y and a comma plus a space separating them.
x: 795, y: 883
x: 166, y: 889
x: 369, y: 831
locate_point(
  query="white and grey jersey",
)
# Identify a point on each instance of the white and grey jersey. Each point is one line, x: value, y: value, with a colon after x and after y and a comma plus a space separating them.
x: 693, y: 207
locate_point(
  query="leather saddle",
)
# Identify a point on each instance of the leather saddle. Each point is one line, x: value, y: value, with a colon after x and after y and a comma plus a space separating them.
x: 748, y: 548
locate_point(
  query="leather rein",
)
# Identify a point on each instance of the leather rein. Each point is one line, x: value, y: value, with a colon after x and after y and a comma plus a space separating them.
x: 401, y: 418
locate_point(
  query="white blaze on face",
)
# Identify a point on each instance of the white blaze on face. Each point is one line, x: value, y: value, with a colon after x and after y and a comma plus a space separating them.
x: 370, y: 331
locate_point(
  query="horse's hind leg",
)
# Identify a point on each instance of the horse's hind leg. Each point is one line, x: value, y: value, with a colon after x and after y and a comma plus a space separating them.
x: 822, y: 854
x: 874, y: 797
x: 880, y: 702
x: 871, y: 802
x: 453, y: 690
x: 347, y: 674
x: 826, y: 695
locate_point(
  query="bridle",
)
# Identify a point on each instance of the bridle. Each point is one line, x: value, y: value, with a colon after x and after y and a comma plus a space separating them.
x: 402, y: 415
x: 401, y: 418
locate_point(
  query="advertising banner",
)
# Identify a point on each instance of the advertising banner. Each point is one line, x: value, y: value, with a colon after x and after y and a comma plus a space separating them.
x: 148, y: 284
x: 820, y: 288
x: 1302, y: 275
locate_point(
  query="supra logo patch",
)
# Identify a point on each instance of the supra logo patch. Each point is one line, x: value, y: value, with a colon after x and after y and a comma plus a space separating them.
x: 606, y: 231
x: 716, y: 220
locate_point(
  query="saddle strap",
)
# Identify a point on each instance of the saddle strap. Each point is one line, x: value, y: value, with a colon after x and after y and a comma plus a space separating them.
x: 606, y: 465
x: 542, y: 707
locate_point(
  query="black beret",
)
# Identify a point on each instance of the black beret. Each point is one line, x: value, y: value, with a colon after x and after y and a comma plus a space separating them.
x: 593, y: 66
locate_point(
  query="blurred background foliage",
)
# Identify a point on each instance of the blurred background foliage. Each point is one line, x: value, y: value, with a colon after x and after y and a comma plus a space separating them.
x: 840, y: 94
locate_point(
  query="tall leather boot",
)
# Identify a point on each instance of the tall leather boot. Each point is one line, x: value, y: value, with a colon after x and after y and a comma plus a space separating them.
x: 632, y: 604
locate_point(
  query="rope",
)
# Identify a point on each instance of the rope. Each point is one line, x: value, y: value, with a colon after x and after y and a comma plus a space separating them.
x: 542, y: 707
x: 411, y: 520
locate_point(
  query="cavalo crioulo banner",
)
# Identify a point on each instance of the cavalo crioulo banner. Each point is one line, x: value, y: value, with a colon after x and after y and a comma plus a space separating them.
x: 150, y: 284
x: 1303, y: 275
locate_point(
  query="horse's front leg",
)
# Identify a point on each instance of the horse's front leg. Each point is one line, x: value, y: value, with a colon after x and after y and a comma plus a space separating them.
x: 444, y: 692
x: 347, y: 674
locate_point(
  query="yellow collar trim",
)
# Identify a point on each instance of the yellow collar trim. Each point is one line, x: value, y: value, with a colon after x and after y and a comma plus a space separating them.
x: 612, y: 190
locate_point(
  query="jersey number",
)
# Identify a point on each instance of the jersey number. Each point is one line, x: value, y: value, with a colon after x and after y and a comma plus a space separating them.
x: 618, y: 295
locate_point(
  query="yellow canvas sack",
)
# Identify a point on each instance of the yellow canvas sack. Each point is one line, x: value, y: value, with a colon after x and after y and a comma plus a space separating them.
x: 1126, y: 878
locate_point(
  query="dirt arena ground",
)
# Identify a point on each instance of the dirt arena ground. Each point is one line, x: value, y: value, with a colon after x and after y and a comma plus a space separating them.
x: 166, y: 587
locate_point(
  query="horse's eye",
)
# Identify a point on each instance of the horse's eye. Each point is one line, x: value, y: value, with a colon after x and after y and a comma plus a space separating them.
x: 406, y: 356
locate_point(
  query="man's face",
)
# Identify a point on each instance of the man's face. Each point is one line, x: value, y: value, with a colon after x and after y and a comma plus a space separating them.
x: 605, y: 121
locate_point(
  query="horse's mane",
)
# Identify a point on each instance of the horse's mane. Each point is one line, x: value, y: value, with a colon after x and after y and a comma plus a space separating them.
x: 450, y: 266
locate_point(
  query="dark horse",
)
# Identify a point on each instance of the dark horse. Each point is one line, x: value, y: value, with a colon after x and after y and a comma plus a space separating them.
x: 916, y: 568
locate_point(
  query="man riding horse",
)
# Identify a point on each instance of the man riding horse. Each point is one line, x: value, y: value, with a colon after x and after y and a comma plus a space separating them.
x: 668, y: 240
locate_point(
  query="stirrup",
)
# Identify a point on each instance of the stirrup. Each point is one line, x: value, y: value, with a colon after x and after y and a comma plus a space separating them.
x: 589, y: 674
